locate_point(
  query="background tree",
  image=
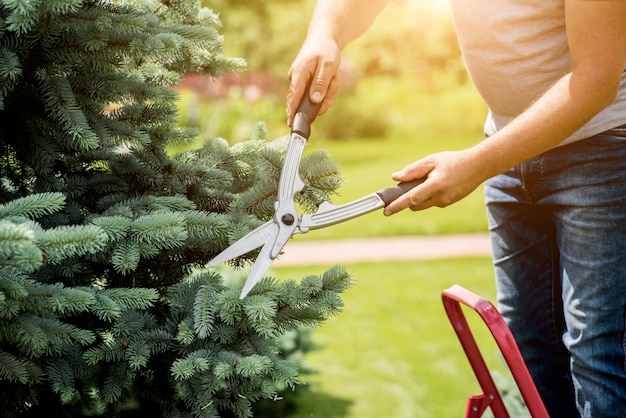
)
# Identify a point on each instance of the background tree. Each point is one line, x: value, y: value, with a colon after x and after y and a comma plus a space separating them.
x: 267, y: 33
x: 104, y: 304
x: 409, y: 38
x: 410, y: 52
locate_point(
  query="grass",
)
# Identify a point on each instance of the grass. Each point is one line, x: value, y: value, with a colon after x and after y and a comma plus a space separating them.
x: 392, y: 351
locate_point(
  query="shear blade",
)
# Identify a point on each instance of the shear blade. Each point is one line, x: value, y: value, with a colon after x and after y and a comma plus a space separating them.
x: 262, y: 263
x: 250, y: 241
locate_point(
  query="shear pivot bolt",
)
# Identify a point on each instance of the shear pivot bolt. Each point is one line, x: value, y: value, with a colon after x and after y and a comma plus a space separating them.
x: 288, y: 219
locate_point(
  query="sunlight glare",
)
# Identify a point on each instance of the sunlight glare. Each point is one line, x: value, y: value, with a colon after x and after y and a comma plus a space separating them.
x: 430, y: 4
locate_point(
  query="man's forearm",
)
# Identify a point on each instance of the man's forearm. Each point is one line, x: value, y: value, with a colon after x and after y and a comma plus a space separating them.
x: 344, y: 20
x: 555, y: 116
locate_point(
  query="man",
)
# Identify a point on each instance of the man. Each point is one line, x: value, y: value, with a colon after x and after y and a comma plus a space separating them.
x: 554, y: 166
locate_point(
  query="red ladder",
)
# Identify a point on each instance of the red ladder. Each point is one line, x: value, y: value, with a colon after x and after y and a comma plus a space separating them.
x: 490, y: 398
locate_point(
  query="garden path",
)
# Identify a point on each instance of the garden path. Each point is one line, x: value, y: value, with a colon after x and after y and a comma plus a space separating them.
x: 380, y: 249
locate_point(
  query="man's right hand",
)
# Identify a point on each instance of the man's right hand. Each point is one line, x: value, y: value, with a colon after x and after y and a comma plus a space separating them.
x: 317, y: 64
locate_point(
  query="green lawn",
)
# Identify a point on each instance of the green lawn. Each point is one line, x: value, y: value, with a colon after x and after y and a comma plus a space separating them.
x: 392, y: 352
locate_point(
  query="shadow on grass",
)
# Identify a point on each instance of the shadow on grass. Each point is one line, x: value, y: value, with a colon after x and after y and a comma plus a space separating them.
x: 310, y: 403
x: 303, y: 403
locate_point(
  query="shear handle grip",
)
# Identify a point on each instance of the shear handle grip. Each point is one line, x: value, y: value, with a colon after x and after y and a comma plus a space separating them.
x: 305, y: 115
x: 390, y: 194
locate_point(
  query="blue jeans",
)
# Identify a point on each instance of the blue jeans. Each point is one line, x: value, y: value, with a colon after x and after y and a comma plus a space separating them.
x: 558, y: 229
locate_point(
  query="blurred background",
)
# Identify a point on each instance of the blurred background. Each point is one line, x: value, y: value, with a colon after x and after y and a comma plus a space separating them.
x: 402, y: 77
x: 404, y: 94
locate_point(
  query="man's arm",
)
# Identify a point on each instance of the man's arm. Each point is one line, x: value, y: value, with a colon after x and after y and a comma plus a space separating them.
x: 334, y: 24
x: 597, y: 40
x: 344, y: 20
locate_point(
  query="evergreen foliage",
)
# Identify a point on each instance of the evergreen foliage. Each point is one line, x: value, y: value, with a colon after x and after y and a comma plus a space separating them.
x: 104, y: 304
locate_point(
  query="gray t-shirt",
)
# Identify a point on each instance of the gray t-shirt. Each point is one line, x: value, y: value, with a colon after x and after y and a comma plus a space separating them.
x: 515, y: 50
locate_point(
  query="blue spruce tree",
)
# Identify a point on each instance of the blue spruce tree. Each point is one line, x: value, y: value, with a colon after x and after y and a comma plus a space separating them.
x: 104, y: 304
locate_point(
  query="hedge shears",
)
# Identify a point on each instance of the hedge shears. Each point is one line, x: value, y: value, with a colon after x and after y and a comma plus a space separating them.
x: 287, y: 222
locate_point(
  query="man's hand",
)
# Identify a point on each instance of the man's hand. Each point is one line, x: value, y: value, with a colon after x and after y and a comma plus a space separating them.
x: 450, y: 176
x: 334, y: 24
x: 317, y: 64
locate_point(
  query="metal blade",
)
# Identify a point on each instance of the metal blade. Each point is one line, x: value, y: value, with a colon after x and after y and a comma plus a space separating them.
x: 263, y: 262
x: 250, y: 241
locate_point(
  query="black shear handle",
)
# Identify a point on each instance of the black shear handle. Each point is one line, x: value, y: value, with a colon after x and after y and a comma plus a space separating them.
x: 305, y: 115
x: 390, y: 194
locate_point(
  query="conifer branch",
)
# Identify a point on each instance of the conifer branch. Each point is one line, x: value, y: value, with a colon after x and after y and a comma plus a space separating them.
x: 103, y: 232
